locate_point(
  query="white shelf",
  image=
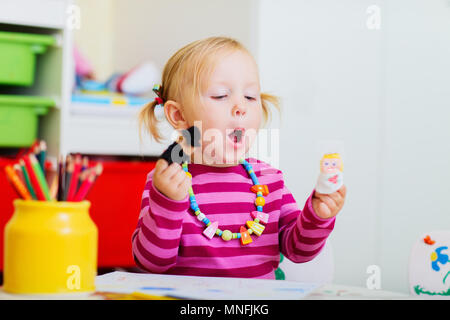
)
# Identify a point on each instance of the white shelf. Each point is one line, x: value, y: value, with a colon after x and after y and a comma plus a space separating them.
x: 88, y: 109
x: 42, y: 13
x: 110, y: 135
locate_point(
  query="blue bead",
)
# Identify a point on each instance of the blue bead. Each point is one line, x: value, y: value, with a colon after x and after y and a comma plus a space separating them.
x: 192, y: 198
x: 220, y: 233
x: 259, y: 208
x: 238, y: 235
x: 205, y: 221
x: 254, y: 179
x: 194, y: 206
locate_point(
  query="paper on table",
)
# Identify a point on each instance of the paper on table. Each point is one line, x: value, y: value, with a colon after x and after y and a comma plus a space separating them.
x: 209, y: 288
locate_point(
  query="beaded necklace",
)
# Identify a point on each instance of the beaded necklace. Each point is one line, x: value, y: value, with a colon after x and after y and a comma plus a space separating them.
x: 254, y: 227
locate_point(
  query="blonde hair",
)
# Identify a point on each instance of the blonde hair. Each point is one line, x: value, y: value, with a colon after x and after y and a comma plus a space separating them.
x: 333, y: 156
x: 184, y: 72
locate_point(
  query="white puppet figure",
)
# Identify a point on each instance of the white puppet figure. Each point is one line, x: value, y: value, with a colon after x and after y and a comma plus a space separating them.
x: 331, y: 176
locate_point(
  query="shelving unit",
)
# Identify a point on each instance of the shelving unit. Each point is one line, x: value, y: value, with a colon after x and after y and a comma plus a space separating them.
x: 67, y: 128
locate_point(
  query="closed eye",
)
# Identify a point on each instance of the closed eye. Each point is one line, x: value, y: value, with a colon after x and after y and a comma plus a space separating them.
x: 218, y: 97
x: 250, y: 98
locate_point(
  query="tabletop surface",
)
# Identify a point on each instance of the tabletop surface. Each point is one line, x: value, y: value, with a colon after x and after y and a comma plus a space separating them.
x: 125, y: 285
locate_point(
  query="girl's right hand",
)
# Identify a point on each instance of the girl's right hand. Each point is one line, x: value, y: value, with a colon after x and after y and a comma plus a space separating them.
x: 171, y: 180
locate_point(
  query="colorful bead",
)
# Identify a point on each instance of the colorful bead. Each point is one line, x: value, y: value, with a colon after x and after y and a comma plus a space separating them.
x: 260, y: 201
x: 227, y: 235
x: 254, y: 178
x: 245, y: 236
x: 201, y: 216
x: 260, y: 188
x: 211, y: 230
x: 256, y: 227
x: 194, y: 205
x: 261, y: 216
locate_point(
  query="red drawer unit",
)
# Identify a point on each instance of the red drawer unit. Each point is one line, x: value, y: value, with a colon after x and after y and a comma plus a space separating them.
x: 115, y: 202
x: 7, y: 195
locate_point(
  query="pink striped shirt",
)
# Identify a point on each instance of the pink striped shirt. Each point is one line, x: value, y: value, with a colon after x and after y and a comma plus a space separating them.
x: 169, y: 237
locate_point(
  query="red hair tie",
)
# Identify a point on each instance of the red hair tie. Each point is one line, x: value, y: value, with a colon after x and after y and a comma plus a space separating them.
x: 159, y: 101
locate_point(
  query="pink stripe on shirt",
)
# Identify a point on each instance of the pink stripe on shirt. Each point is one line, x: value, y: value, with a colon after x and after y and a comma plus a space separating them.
x: 169, y: 239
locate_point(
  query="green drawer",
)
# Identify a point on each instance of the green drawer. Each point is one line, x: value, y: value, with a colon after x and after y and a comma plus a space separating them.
x: 19, y: 119
x: 18, y: 56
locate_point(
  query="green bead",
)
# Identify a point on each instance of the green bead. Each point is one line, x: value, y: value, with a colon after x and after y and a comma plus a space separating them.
x: 218, y: 232
x: 227, y: 235
x: 256, y: 220
x: 197, y: 212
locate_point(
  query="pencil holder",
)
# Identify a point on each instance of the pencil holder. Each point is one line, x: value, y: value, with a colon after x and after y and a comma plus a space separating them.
x: 50, y: 247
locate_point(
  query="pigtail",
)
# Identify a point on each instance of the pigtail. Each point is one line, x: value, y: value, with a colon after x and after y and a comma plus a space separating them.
x: 267, y: 100
x: 147, y: 119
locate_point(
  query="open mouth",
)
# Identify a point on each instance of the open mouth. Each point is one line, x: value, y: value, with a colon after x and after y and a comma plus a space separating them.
x: 236, y: 135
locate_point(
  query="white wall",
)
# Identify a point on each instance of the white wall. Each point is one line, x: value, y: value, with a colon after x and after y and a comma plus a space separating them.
x: 116, y: 35
x: 416, y: 132
x: 96, y: 35
x: 384, y: 95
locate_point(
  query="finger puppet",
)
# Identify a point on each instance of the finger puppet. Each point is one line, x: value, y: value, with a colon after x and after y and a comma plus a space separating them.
x: 175, y: 153
x: 331, y: 176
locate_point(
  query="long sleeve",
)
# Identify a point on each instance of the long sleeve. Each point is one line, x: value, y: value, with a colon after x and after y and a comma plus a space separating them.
x: 302, y: 234
x: 156, y: 240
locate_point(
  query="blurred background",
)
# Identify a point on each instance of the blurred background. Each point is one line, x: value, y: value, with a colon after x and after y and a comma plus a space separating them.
x: 368, y: 78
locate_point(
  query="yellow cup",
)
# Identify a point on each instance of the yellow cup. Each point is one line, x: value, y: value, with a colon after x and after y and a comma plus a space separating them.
x: 50, y: 247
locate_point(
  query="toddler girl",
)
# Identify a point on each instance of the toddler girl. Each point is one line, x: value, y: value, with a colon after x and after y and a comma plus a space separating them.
x: 221, y: 214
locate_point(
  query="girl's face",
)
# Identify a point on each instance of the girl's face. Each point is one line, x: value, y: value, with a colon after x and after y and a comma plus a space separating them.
x: 232, y: 110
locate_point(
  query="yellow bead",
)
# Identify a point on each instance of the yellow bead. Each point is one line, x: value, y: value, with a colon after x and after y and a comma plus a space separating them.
x: 255, y: 227
x: 260, y: 201
x: 227, y: 235
x: 189, y: 174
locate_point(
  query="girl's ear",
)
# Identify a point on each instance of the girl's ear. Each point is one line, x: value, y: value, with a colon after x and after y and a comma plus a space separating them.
x: 174, y: 115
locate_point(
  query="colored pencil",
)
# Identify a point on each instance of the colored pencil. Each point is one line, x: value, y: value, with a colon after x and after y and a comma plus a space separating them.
x: 88, y: 183
x: 43, y: 153
x: 83, y: 176
x: 40, y: 176
x: 50, y: 172
x: 60, y: 194
x: 54, y: 187
x: 83, y: 173
x: 33, y: 178
x: 74, y: 180
x: 16, y: 183
x: 27, y: 179
x: 85, y: 187
x: 69, y: 170
x: 19, y: 172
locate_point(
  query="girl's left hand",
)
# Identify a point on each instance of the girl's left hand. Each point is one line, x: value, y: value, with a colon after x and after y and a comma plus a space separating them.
x: 328, y: 205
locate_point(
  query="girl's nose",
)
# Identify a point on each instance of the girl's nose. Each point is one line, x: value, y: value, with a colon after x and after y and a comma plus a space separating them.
x: 238, y: 110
